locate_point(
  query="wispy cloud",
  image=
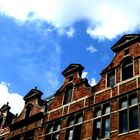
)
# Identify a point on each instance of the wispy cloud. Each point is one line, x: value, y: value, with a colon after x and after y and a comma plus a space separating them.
x: 91, y: 49
x: 15, y: 100
x: 106, y: 19
x: 70, y: 32
x: 35, y: 55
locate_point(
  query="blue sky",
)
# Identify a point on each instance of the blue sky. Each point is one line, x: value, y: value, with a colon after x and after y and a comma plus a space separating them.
x: 39, y: 39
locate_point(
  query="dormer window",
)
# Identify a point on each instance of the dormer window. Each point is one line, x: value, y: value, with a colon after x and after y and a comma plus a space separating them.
x: 29, y: 108
x: 68, y: 94
x: 111, y: 79
x: 127, y: 68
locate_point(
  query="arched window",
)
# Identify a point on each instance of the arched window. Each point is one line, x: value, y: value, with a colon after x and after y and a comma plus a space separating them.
x: 68, y: 94
x: 127, y: 68
x: 28, y: 110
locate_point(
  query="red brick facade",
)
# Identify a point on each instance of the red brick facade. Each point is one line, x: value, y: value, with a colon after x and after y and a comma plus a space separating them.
x: 108, y: 110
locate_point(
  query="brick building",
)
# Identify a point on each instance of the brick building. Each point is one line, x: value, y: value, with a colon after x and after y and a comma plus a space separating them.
x: 78, y: 111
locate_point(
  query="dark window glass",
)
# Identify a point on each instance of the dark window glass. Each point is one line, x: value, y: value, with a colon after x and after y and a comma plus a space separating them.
x: 126, y: 51
x: 106, y: 109
x: 68, y: 95
x: 105, y: 127
x: 28, y: 135
x: 49, y: 129
x: 55, y: 136
x: 133, y: 100
x: 74, y: 124
x: 128, y: 114
x: 15, y: 138
x: 79, y: 118
x: 57, y: 126
x: 133, y: 118
x: 97, y: 129
x: 101, y: 125
x: 123, y: 103
x: 97, y: 112
x: 127, y: 69
x: 71, y: 78
x: 52, y: 131
x: 28, y: 110
x: 69, y: 134
x: 111, y: 79
x: 70, y: 121
x: 123, y: 122
x: 77, y: 133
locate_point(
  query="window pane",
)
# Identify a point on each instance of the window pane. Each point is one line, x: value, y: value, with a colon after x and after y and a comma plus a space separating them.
x: 56, y: 136
x: 79, y: 118
x: 49, y: 128
x: 106, y: 108
x: 71, y: 121
x: 105, y: 127
x: 133, y: 99
x: 69, y: 134
x: 123, y: 126
x: 127, y: 69
x: 97, y: 112
x: 77, y: 133
x: 133, y: 116
x: 28, y: 135
x: 123, y: 103
x: 96, y: 129
x: 111, y: 79
x: 48, y: 137
x: 68, y: 95
x: 57, y: 126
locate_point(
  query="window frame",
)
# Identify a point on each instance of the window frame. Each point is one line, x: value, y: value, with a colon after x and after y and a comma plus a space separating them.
x: 68, y: 94
x: 54, y: 131
x: 124, y: 68
x: 111, y: 74
x: 29, y: 108
x: 129, y: 107
x: 74, y: 127
x: 98, y: 121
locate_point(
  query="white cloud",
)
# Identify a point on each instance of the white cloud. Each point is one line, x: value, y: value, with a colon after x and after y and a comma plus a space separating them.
x: 106, y: 19
x: 92, y: 82
x: 70, y: 32
x: 15, y: 100
x: 84, y: 74
x: 91, y: 49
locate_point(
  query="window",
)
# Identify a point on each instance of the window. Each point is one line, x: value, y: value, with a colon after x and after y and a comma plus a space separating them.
x: 53, y: 131
x: 126, y: 51
x: 74, y: 124
x: 127, y: 68
x: 68, y: 94
x: 1, y: 119
x: 128, y: 113
x: 28, y: 110
x: 101, y: 122
x: 71, y: 78
x: 28, y: 135
x: 111, y: 79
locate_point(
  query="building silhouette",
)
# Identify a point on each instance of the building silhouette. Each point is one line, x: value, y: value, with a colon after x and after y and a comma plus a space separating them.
x: 110, y: 110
